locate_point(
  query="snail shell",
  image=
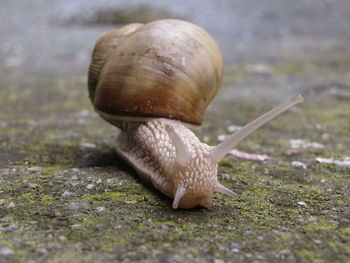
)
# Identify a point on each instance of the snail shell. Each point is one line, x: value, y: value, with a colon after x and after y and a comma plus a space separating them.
x: 164, y: 69
x: 150, y: 80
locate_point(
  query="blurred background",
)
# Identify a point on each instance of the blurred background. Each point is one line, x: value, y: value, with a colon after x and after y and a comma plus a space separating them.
x: 272, y: 51
x: 267, y: 42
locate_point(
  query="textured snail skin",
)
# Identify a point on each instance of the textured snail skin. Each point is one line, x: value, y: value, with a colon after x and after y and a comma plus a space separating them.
x: 168, y: 155
x: 150, y: 150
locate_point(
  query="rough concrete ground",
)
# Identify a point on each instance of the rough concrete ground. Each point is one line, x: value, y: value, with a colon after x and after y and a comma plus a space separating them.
x: 66, y: 197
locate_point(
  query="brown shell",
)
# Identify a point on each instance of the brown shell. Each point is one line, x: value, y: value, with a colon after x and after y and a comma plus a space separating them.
x: 163, y: 69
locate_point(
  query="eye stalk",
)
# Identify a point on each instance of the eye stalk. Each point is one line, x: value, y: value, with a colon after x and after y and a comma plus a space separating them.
x: 220, y: 151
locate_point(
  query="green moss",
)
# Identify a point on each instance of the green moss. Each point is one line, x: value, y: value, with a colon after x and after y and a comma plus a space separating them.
x: 319, y: 226
x: 47, y: 200
x: 28, y: 199
x: 109, y: 196
x: 307, y: 255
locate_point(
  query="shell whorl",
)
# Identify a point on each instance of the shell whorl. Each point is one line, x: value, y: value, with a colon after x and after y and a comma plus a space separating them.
x: 163, y: 69
x: 104, y: 48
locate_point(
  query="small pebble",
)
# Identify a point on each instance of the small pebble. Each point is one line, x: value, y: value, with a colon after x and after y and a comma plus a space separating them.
x: 319, y: 126
x: 334, y: 222
x: 221, y: 137
x: 75, y: 183
x: 41, y: 250
x: 249, y: 255
x: 11, y: 205
x: 302, y: 203
x: 285, y: 252
x: 344, y: 163
x: 88, y: 145
x: 206, y: 139
x: 6, y: 251
x: 233, y: 128
x: 100, y: 209
x: 62, y: 238
x: 298, y: 164
x: 90, y: 186
x: 319, y: 243
x: 325, y: 136
x: 225, y: 176
x: 34, y: 169
x: 235, y: 245
x: 297, y: 143
x: 130, y: 202
x: 77, y: 205
x: 66, y: 194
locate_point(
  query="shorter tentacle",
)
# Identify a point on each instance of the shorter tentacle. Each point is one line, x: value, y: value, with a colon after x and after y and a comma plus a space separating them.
x: 180, y: 192
x: 222, y: 189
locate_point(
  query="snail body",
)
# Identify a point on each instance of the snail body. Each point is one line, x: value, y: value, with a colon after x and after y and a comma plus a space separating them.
x: 153, y: 81
x: 151, y: 151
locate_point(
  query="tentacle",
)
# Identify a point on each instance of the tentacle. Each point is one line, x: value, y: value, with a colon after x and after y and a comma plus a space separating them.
x: 219, y: 151
x: 180, y: 192
x: 183, y: 155
x: 222, y: 189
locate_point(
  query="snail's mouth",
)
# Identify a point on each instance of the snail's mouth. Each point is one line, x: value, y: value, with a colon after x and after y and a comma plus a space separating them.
x: 192, y: 200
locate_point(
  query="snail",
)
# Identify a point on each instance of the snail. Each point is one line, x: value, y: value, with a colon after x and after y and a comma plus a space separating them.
x: 154, y: 81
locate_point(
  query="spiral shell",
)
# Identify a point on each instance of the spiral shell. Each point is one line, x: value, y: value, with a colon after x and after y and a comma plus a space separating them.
x: 163, y: 69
